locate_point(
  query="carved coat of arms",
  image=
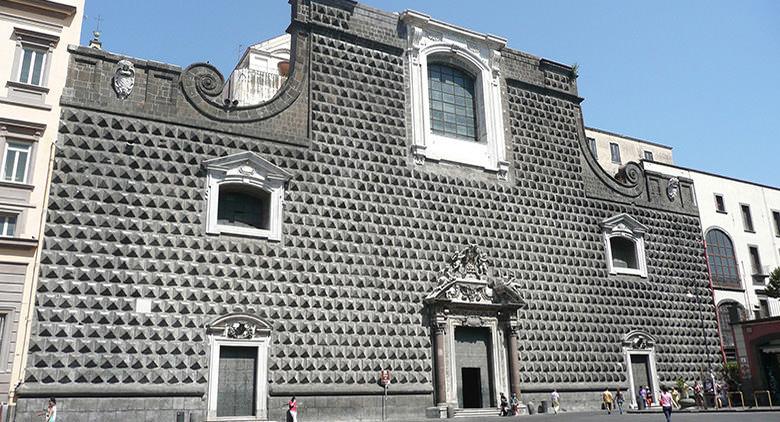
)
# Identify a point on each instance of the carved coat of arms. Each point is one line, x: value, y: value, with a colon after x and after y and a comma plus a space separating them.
x: 124, y: 79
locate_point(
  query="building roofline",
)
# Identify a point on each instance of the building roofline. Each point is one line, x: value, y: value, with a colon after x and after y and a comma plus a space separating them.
x: 628, y: 137
x: 748, y: 182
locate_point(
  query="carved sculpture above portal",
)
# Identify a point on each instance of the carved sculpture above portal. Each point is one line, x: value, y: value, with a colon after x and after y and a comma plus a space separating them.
x: 240, y: 330
x: 468, y: 263
x: 239, y: 327
x: 124, y: 79
x: 465, y: 279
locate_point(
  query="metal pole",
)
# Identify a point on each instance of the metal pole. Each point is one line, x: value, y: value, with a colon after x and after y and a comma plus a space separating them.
x: 384, y: 403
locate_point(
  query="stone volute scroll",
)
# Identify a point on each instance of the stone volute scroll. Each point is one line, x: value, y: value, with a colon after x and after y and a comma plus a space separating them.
x: 204, y: 87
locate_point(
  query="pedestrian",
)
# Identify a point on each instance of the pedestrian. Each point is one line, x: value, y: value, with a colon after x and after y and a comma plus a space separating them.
x: 504, y: 410
x: 555, y: 399
x: 698, y: 394
x: 606, y: 399
x: 675, y: 398
x: 50, y: 414
x: 649, y: 396
x: 619, y: 400
x: 666, y: 403
x: 515, y: 403
x: 724, y: 393
x: 642, y: 397
x: 716, y: 390
x: 292, y: 410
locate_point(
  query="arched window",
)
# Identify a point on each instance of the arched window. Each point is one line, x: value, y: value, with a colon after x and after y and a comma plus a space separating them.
x: 451, y: 102
x: 244, y: 206
x: 455, y: 95
x: 729, y: 313
x: 723, y: 261
x: 623, y: 252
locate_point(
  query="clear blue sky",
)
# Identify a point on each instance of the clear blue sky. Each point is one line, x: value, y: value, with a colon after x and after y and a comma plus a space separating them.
x: 702, y: 76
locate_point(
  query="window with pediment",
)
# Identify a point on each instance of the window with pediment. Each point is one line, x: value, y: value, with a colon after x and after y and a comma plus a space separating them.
x: 624, y: 239
x: 245, y: 195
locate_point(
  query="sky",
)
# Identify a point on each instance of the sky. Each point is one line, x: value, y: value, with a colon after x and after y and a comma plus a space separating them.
x: 702, y: 76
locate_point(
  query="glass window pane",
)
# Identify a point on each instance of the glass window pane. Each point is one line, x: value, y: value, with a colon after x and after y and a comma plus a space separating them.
x: 451, y: 101
x: 10, y: 227
x: 24, y: 75
x: 8, y: 167
x: 21, y: 167
x: 37, y: 69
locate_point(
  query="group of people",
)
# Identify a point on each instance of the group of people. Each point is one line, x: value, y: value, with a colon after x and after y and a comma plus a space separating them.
x: 609, y: 401
x: 509, y: 407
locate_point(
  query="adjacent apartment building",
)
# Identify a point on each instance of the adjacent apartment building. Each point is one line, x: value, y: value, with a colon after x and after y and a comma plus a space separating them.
x: 740, y: 221
x: 34, y: 36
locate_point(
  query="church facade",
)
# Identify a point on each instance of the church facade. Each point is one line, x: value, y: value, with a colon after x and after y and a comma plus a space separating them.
x: 417, y: 198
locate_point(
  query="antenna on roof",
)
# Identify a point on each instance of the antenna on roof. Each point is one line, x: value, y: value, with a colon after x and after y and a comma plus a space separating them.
x: 95, y: 41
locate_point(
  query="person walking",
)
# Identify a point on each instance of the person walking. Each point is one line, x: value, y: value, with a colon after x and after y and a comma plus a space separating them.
x: 50, y: 414
x: 619, y: 400
x: 606, y: 399
x: 292, y: 410
x: 504, y: 410
x: 642, y: 397
x: 515, y: 403
x: 666, y: 403
x: 698, y: 394
x: 555, y: 399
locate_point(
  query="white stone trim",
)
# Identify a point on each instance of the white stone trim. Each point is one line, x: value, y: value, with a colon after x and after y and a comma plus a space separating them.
x: 627, y: 227
x: 480, y: 55
x: 638, y: 342
x: 261, y: 398
x: 253, y: 171
x: 498, y: 358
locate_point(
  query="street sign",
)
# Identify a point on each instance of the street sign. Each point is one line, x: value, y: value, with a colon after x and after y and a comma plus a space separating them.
x: 384, y: 376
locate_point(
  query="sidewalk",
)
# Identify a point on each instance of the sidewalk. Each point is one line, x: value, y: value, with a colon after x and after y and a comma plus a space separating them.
x: 711, y: 410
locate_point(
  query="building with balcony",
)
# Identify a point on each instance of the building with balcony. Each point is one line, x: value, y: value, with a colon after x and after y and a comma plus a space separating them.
x: 34, y: 37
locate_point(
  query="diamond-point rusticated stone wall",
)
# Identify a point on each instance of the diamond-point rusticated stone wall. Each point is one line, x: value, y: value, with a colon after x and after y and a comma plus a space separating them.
x: 365, y: 233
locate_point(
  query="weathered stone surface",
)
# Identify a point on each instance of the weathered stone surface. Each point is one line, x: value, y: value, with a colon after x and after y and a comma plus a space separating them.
x: 365, y: 233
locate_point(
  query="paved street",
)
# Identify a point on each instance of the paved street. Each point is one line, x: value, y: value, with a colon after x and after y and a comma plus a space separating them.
x: 659, y: 417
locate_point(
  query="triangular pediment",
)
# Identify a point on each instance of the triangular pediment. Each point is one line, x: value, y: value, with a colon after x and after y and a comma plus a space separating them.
x: 248, y: 163
x: 623, y: 222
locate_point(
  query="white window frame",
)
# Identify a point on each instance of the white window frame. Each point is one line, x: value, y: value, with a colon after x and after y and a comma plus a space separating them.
x: 37, y: 50
x: 12, y: 145
x: 625, y: 226
x: 478, y: 54
x: 251, y: 170
x: 4, y: 217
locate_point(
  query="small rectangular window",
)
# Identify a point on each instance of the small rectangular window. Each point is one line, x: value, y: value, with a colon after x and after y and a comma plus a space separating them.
x: 31, y: 69
x: 755, y: 260
x: 747, y: 219
x: 764, y: 304
x: 614, y: 149
x: 592, y: 146
x: 776, y: 219
x: 649, y: 156
x: 16, y: 162
x: 720, y: 204
x: 7, y: 225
